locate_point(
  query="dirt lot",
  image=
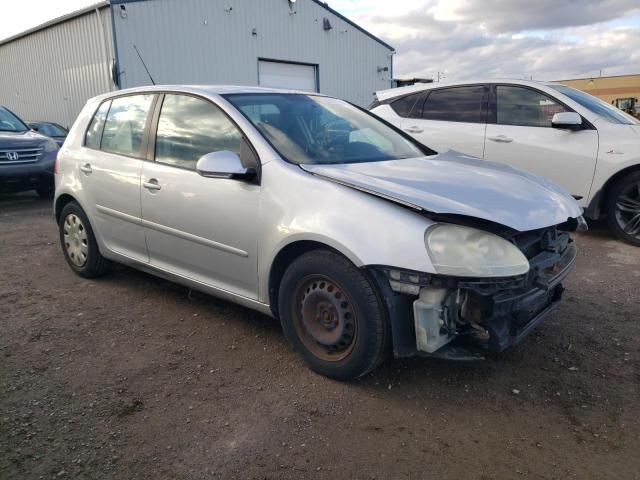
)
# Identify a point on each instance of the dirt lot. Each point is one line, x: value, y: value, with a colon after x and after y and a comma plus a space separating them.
x: 132, y: 377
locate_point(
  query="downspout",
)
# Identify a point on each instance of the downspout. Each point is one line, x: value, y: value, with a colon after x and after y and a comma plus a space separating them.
x: 104, y: 48
x: 116, y: 66
x: 391, y: 68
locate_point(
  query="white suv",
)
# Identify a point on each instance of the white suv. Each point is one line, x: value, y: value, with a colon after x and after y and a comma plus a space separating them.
x: 587, y: 146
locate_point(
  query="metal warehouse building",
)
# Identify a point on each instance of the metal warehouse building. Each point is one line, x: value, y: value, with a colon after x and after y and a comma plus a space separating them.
x: 47, y: 73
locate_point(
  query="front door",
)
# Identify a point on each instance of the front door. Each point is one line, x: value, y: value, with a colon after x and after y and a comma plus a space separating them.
x: 521, y: 135
x: 204, y: 229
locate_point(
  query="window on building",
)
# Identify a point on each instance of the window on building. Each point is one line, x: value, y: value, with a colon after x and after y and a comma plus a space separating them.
x: 458, y: 104
x: 525, y: 107
x: 191, y: 127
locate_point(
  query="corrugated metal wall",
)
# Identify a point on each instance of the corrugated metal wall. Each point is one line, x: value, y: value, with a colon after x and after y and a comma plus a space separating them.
x: 211, y: 41
x: 49, y: 74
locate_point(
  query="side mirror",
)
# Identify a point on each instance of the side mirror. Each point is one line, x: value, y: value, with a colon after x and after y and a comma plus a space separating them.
x: 567, y: 121
x: 223, y: 164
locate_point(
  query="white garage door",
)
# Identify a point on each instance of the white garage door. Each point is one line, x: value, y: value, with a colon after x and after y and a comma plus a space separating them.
x: 287, y: 75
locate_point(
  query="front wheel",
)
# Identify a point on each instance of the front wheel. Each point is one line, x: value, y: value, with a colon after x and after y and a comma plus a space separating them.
x: 623, y: 208
x: 79, y: 243
x: 331, y: 314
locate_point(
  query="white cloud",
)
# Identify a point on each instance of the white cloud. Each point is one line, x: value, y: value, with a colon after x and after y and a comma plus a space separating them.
x: 546, y: 39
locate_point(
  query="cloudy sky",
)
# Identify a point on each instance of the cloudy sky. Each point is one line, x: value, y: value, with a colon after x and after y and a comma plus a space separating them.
x: 545, y: 39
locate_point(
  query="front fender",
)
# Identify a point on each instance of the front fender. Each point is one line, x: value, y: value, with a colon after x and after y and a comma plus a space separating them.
x: 368, y: 230
x: 611, y: 167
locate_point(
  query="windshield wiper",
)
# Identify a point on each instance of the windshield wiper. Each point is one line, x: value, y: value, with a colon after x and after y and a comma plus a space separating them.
x: 11, y: 130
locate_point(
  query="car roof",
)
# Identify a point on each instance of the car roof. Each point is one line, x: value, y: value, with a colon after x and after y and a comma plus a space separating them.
x: 39, y: 122
x: 397, y: 92
x: 205, y: 90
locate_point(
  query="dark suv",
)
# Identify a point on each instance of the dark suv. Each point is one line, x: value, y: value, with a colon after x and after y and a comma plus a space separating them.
x: 26, y: 157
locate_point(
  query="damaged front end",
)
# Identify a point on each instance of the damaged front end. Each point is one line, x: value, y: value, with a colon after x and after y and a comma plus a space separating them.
x: 456, y: 317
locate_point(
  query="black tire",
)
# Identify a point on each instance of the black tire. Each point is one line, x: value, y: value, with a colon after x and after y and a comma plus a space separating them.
x: 45, y: 192
x: 623, y: 208
x: 94, y: 263
x: 359, y: 331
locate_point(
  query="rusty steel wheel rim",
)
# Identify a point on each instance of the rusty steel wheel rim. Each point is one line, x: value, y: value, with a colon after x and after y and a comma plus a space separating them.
x: 324, y: 318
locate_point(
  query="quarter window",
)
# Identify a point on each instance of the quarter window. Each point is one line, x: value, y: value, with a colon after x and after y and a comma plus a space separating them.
x: 404, y: 105
x: 190, y: 127
x: 124, y: 128
x: 459, y: 104
x: 94, y: 132
x: 525, y: 107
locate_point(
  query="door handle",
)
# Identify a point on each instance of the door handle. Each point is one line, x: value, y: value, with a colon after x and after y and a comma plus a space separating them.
x: 414, y: 130
x: 86, y: 168
x: 152, y: 185
x: 501, y: 139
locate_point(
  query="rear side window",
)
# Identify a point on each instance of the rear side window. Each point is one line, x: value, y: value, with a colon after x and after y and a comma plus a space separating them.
x: 94, y: 132
x: 525, y: 107
x: 404, y: 105
x: 124, y: 128
x: 190, y: 127
x: 459, y: 104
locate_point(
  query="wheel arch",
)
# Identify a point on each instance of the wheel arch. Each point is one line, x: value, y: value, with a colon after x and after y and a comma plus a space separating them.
x: 287, y: 254
x: 597, y: 206
x: 61, y: 202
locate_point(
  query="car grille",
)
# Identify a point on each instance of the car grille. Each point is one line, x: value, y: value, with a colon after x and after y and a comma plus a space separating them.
x: 20, y: 155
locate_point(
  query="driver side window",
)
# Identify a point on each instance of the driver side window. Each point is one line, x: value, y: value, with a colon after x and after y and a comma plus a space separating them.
x: 525, y: 107
x: 190, y: 127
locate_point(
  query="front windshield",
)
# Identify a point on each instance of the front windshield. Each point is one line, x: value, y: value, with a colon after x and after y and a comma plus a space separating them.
x: 51, y: 130
x: 10, y: 123
x: 597, y: 106
x: 310, y: 129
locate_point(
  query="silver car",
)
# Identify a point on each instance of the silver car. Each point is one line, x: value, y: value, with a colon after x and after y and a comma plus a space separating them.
x: 359, y: 239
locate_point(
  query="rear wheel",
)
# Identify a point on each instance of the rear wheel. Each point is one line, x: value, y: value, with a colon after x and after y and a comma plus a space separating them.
x: 79, y: 243
x: 332, y: 315
x: 623, y: 208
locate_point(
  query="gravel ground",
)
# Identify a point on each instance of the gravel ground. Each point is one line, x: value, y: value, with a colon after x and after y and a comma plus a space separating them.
x: 132, y: 377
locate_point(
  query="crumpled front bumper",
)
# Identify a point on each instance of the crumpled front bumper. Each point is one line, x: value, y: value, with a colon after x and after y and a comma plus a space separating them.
x: 509, y: 316
x: 453, y: 317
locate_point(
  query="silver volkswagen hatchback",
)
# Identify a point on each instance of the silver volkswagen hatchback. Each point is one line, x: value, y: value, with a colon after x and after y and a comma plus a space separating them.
x: 361, y: 240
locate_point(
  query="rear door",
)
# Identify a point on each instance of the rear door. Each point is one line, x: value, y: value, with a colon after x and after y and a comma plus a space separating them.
x: 450, y: 118
x: 204, y: 229
x: 520, y: 134
x: 110, y: 165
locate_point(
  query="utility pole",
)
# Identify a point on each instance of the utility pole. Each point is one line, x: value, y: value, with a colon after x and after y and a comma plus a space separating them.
x: 440, y: 75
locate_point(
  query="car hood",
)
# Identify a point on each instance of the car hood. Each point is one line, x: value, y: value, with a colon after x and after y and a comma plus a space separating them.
x: 453, y: 183
x: 27, y: 139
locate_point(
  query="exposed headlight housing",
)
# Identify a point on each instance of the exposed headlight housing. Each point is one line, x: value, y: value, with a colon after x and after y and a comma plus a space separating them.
x: 468, y: 252
x: 50, y: 145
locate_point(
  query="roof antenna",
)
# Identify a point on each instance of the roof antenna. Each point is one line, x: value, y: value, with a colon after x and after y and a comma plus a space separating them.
x: 143, y: 64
